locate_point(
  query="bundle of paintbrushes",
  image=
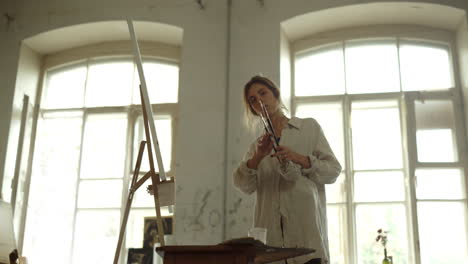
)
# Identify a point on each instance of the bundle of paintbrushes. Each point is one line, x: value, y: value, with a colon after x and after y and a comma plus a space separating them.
x: 268, y: 125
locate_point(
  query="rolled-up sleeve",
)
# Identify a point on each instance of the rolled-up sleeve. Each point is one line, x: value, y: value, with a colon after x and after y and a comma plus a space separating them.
x: 325, y: 168
x: 245, y: 178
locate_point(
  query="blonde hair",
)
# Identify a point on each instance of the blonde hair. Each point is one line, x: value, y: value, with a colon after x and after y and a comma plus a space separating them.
x: 250, y: 114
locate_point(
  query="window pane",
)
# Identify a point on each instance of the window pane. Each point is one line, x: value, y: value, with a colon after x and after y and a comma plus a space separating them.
x: 442, y: 231
x: 435, y: 131
x: 376, y: 135
x: 425, y: 67
x: 162, y: 81
x: 109, y: 83
x: 163, y: 126
x: 379, y: 186
x: 65, y: 88
x: 104, y: 146
x: 330, y: 118
x: 100, y: 194
x: 391, y: 218
x: 336, y: 192
x: 337, y: 234
x: 96, y: 235
x: 372, y: 66
x: 435, y: 145
x: 52, y: 191
x: 320, y: 72
x: 439, y: 184
x: 142, y: 198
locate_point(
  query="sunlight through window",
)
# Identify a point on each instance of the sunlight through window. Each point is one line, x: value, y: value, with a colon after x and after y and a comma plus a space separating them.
x: 320, y: 72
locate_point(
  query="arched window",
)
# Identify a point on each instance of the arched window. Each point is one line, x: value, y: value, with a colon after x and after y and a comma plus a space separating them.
x: 389, y: 107
x: 88, y: 135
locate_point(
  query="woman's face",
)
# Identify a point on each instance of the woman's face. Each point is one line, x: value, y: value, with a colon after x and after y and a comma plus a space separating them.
x: 261, y: 92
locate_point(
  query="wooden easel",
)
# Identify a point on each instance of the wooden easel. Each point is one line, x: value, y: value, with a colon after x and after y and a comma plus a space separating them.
x: 150, y: 133
x: 135, y: 184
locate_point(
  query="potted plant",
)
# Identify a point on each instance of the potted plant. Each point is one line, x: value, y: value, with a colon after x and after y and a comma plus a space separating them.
x: 382, y: 237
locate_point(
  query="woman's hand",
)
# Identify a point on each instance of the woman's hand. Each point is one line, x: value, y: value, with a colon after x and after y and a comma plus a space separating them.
x: 286, y: 154
x: 262, y: 149
x: 264, y: 146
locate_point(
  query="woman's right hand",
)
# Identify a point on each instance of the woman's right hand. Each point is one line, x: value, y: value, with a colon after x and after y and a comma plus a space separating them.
x: 262, y: 149
x: 264, y: 146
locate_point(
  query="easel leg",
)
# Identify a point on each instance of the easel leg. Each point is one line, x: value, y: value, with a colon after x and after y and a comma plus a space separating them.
x: 154, y: 177
x: 129, y: 201
x: 158, y: 211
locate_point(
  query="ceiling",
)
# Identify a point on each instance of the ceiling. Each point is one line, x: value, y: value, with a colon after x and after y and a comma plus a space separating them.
x: 423, y: 14
x: 70, y: 37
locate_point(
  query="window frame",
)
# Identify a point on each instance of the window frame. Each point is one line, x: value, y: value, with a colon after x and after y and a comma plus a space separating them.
x: 120, y: 50
x: 413, y: 34
x: 414, y: 164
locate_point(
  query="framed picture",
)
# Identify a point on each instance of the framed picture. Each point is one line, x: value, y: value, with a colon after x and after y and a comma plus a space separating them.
x: 150, y: 236
x: 140, y: 256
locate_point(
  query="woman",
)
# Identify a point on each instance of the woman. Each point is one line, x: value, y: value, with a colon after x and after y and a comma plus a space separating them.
x: 290, y: 203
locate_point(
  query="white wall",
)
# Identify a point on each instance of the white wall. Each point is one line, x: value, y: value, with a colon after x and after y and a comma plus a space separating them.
x: 202, y: 160
x: 27, y: 80
x: 9, y: 51
x: 462, y: 50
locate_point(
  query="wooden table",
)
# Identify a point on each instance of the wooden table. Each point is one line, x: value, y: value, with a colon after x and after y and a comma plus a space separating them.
x: 238, y: 251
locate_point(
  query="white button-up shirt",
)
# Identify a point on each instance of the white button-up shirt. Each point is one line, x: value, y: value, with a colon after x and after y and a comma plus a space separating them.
x: 292, y: 207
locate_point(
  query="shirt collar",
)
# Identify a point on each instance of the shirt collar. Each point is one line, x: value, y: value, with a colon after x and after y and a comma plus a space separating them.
x: 295, y: 122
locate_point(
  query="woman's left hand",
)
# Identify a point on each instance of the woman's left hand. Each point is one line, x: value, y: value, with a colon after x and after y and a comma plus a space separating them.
x: 286, y: 154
